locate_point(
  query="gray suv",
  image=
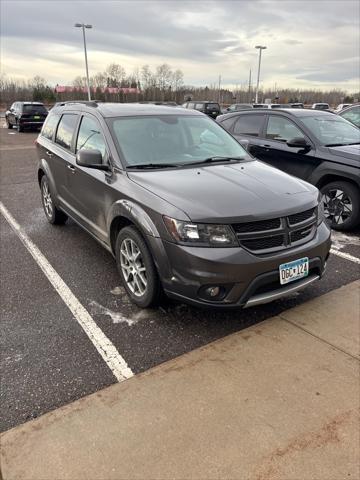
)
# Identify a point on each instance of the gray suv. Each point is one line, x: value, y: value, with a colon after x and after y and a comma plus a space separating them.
x: 180, y: 204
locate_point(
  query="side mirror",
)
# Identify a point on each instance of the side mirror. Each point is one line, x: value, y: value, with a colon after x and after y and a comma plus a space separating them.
x: 298, y: 142
x: 91, y: 159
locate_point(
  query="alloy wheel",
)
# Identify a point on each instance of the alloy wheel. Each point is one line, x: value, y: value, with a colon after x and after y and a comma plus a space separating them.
x: 338, y: 206
x: 47, y: 200
x: 132, y: 266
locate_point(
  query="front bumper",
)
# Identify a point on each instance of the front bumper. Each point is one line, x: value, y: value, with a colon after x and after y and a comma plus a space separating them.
x: 247, y: 279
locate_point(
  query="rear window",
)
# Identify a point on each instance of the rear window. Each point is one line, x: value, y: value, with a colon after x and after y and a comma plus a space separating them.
x: 213, y: 106
x: 65, y: 130
x: 249, y: 125
x: 50, y: 126
x: 34, y: 109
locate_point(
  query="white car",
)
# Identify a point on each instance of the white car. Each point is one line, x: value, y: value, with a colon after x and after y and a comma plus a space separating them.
x: 320, y: 106
x: 341, y: 107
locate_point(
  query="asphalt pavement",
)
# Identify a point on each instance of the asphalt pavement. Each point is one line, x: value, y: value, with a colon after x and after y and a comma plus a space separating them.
x: 47, y: 360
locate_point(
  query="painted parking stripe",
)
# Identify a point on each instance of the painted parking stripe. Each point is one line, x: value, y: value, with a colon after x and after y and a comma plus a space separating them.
x: 345, y: 255
x: 103, y: 345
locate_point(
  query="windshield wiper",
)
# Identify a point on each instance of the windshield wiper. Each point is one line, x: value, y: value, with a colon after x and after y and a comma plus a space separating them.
x: 213, y: 160
x: 144, y: 166
x: 341, y: 144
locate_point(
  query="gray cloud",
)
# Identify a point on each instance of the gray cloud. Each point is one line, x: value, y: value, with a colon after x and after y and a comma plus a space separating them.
x: 204, y: 38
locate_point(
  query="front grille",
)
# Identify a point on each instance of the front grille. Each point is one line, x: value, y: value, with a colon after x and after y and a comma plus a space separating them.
x: 300, y: 234
x: 301, y: 217
x: 264, y: 243
x: 267, y: 236
x: 261, y: 226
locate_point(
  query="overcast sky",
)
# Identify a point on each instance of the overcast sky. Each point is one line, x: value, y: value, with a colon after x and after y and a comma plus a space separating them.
x: 311, y: 43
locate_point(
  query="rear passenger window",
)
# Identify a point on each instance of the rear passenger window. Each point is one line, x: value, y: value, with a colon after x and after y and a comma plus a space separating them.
x: 191, y: 105
x: 200, y: 107
x: 228, y: 123
x: 249, y: 125
x: 90, y: 137
x: 50, y: 126
x: 65, y: 130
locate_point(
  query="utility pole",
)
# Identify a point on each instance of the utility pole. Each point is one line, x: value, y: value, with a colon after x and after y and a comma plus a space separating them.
x: 249, y: 91
x: 83, y: 26
x: 219, y: 88
x: 260, y: 48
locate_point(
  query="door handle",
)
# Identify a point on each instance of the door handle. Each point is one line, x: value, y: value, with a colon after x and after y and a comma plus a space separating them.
x: 49, y: 154
x: 71, y: 168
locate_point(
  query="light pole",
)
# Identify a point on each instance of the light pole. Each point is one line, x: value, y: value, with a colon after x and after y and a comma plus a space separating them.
x: 260, y: 48
x: 83, y: 26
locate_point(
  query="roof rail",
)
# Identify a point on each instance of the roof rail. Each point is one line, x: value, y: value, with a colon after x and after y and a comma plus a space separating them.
x: 89, y: 103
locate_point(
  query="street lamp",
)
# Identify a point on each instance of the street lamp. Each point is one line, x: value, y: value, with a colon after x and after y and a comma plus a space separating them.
x: 83, y: 26
x: 260, y: 48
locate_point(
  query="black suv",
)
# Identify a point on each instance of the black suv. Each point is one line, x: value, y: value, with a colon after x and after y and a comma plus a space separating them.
x: 212, y: 109
x: 26, y: 115
x: 180, y: 204
x: 316, y: 146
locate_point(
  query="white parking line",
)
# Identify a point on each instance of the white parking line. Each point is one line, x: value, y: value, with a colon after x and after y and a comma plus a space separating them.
x: 103, y: 345
x: 347, y: 256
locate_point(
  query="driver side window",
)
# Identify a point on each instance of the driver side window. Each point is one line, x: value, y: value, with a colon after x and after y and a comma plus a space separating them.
x: 90, y: 137
x: 282, y: 129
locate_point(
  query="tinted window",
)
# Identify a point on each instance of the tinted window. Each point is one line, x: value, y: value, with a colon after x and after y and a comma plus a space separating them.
x: 34, y: 109
x: 228, y: 123
x: 213, y: 106
x: 50, y: 125
x: 249, y: 125
x: 282, y: 129
x: 65, y: 130
x: 352, y: 115
x: 90, y: 137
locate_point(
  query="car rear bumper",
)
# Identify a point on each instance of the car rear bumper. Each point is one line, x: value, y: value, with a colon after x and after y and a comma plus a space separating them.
x: 245, y: 279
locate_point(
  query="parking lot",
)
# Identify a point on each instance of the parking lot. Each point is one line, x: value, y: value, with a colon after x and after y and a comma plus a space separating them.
x: 49, y: 358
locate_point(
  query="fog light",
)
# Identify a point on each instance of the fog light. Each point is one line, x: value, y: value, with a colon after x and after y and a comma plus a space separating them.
x: 213, y: 291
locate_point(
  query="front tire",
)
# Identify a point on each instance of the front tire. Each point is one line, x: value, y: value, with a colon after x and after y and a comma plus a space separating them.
x: 341, y: 205
x: 20, y: 128
x: 136, y: 268
x: 53, y: 214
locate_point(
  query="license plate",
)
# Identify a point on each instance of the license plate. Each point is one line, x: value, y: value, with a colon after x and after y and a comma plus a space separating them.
x: 295, y: 270
x: 36, y: 117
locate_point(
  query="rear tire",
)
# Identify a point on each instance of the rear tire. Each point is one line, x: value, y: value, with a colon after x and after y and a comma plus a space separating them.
x: 341, y: 205
x: 136, y: 268
x: 53, y: 214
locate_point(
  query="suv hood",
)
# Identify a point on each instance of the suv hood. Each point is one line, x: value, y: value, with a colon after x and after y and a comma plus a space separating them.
x: 351, y: 152
x: 228, y: 193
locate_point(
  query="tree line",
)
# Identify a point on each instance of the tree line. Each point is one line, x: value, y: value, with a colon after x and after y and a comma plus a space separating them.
x: 162, y: 83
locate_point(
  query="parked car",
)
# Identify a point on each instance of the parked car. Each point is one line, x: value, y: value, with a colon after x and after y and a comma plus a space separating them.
x: 318, y: 147
x: 212, y: 109
x: 238, y: 106
x: 352, y: 114
x: 180, y: 204
x: 341, y: 106
x: 25, y: 115
x: 271, y: 105
x: 320, y: 106
x: 297, y: 105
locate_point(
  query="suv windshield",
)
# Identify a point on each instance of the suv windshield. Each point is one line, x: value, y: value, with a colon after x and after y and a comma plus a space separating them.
x: 332, y: 130
x: 176, y: 140
x: 34, y: 108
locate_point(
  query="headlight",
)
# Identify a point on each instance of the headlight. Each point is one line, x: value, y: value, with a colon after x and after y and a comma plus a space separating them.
x: 201, y: 234
x: 321, y: 211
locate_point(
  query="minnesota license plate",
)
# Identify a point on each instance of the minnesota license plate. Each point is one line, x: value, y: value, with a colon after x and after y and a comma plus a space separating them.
x: 36, y: 117
x: 295, y: 270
